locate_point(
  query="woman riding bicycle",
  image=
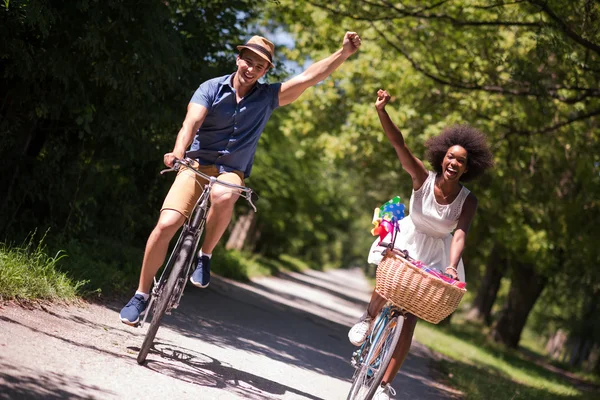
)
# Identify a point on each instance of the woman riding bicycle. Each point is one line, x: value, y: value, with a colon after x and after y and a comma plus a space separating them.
x: 439, y: 204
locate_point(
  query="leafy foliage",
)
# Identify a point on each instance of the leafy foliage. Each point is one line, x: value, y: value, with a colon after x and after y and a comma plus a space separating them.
x: 526, y: 73
x: 93, y: 92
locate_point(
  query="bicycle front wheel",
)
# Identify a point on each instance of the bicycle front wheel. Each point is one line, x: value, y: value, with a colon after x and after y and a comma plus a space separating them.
x: 376, y: 359
x: 178, y: 275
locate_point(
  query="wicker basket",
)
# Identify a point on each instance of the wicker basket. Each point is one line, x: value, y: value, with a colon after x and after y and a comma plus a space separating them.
x: 416, y: 291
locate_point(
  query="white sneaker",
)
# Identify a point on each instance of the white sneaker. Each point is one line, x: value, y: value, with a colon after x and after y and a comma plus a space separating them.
x: 359, y: 332
x: 384, y: 392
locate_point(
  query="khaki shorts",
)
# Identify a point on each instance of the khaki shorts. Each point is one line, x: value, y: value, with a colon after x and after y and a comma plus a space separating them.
x: 188, y: 186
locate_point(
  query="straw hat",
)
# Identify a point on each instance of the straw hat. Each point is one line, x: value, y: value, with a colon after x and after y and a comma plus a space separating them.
x: 260, y: 46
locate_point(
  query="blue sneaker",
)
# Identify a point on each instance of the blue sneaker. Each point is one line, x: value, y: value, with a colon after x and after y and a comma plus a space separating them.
x: 130, y: 314
x: 201, y: 276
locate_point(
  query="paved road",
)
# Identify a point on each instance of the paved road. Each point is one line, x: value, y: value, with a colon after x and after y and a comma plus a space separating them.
x: 272, y: 338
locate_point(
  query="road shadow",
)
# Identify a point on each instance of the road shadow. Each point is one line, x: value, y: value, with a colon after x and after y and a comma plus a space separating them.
x: 65, y: 340
x: 200, y: 369
x: 247, y: 317
x: 243, y: 319
x: 334, y: 289
x: 272, y: 318
x: 23, y: 383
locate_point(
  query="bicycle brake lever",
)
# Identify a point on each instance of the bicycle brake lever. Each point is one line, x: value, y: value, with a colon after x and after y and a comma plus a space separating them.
x: 164, y: 171
x: 252, y: 205
x: 174, y: 168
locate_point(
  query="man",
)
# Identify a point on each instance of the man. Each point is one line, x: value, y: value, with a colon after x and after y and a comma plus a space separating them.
x: 224, y: 121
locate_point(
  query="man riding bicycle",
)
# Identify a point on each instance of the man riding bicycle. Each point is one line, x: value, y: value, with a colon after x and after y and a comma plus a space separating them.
x: 223, y: 124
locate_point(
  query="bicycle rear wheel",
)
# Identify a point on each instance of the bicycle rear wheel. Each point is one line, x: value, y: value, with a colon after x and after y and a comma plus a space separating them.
x: 176, y: 278
x: 376, y: 358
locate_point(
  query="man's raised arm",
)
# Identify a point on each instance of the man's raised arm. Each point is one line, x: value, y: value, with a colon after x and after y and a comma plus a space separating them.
x: 292, y: 89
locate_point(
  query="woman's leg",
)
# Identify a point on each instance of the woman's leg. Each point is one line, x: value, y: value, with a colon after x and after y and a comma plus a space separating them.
x: 375, y: 304
x: 401, y: 350
x: 359, y: 332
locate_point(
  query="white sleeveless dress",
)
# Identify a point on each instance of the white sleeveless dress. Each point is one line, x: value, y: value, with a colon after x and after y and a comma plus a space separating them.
x: 427, y: 232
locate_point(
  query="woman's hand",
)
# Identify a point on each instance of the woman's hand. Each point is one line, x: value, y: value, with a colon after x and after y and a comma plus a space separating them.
x: 452, y: 272
x: 383, y: 97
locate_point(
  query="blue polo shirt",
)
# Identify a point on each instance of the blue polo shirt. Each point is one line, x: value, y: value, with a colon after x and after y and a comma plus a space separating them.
x: 230, y: 132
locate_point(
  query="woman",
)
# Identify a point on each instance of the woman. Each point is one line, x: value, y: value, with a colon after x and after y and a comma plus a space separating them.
x: 439, y: 204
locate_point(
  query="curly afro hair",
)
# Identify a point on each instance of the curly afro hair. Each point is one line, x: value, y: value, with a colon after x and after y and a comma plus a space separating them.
x: 479, y: 156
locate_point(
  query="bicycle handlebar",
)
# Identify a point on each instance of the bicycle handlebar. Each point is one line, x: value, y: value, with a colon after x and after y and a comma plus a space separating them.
x: 187, y: 162
x: 404, y: 254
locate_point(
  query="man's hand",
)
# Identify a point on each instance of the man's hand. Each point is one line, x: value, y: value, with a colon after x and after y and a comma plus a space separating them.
x: 383, y: 97
x: 351, y: 43
x: 170, y: 158
x: 292, y: 89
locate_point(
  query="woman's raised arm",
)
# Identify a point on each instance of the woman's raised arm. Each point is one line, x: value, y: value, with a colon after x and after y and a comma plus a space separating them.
x: 409, y: 162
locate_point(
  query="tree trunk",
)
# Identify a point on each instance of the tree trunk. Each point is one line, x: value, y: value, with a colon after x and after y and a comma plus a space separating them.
x: 526, y: 287
x: 595, y: 360
x: 555, y: 347
x: 488, y: 290
x: 242, y: 227
x: 582, y: 342
x: 581, y: 349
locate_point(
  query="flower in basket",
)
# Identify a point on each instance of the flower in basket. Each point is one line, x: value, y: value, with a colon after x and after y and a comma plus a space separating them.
x: 386, y: 216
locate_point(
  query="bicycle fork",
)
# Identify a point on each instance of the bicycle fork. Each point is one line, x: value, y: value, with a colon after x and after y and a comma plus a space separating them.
x: 363, y: 352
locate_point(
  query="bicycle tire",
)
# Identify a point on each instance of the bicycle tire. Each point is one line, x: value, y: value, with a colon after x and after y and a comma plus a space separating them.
x: 185, y: 252
x: 388, y: 340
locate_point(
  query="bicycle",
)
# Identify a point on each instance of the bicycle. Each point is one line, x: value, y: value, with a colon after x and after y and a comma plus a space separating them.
x: 168, y: 289
x: 373, y: 357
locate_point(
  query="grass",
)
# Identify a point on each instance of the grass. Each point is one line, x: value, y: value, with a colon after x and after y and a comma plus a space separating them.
x: 113, y: 268
x: 242, y: 265
x: 485, y: 370
x: 28, y: 273
x: 104, y: 267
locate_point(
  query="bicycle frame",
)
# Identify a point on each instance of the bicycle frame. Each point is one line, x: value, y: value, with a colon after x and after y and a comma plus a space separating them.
x: 192, y: 224
x: 387, y: 313
x: 372, y: 359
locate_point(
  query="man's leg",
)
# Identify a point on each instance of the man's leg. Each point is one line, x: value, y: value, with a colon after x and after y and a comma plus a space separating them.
x: 176, y: 208
x: 157, y: 245
x: 222, y: 201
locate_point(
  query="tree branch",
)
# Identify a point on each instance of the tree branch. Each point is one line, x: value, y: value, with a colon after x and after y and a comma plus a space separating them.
x: 566, y: 29
x: 417, y: 14
x: 523, y: 90
x: 559, y: 125
x: 499, y: 4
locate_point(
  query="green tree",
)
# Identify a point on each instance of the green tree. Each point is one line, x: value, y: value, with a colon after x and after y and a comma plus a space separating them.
x: 524, y: 72
x: 92, y: 96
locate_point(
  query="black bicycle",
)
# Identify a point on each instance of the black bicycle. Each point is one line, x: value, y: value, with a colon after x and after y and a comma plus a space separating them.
x: 167, y: 291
